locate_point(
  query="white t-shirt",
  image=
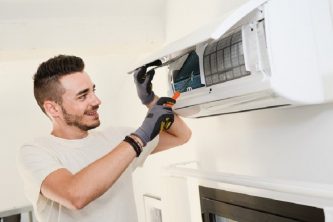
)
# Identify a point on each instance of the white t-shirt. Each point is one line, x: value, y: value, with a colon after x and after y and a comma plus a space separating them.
x: 38, y: 159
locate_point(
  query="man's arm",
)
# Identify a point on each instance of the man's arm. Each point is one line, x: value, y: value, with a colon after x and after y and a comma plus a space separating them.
x: 75, y: 191
x: 178, y: 134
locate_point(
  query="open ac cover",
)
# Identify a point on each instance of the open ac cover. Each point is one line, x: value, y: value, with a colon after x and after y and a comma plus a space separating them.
x: 268, y: 53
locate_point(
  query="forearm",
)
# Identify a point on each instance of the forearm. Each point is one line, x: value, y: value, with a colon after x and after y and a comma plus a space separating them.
x: 178, y: 134
x: 94, y: 180
x: 78, y: 190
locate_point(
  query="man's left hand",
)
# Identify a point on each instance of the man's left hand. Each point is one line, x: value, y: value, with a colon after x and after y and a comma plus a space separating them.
x: 144, y: 87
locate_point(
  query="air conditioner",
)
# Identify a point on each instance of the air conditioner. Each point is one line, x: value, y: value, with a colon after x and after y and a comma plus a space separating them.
x: 266, y: 54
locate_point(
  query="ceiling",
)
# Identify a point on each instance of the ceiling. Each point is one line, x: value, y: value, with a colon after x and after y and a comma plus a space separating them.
x: 94, y: 26
x: 41, y: 9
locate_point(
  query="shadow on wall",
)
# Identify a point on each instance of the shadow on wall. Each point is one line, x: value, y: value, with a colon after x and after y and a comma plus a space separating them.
x: 292, y: 143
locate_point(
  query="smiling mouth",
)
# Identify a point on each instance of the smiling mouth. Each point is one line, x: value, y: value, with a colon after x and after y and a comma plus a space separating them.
x: 92, y: 113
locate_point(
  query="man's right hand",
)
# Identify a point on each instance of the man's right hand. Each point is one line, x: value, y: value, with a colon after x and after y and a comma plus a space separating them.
x: 159, y: 117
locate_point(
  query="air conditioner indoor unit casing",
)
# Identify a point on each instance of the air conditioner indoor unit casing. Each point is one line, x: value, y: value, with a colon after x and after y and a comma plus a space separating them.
x: 284, y: 58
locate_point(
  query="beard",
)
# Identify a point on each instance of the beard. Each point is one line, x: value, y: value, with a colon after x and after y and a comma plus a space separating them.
x: 77, y: 120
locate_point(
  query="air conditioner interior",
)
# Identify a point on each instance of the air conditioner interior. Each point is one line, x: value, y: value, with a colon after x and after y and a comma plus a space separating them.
x: 223, y: 60
x: 186, y: 73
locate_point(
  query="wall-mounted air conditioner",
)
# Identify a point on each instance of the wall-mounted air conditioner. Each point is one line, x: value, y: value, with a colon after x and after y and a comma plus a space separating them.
x: 268, y: 53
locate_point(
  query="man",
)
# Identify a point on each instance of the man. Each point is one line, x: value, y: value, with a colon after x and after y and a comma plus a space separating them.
x: 75, y: 174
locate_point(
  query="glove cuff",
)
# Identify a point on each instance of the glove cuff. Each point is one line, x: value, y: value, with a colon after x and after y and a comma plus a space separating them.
x: 142, y: 135
x: 148, y: 99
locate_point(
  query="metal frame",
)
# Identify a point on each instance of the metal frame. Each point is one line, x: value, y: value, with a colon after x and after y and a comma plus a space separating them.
x: 242, y: 207
x: 19, y: 210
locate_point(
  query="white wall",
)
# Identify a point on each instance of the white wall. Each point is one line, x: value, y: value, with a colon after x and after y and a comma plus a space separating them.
x: 17, y: 124
x: 292, y: 144
x: 183, y: 17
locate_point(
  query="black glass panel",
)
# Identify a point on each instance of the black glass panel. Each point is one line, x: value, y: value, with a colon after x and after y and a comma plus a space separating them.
x: 225, y: 206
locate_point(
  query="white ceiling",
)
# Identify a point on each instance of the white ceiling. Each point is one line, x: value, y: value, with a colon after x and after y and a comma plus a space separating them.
x: 39, y: 9
x: 101, y: 25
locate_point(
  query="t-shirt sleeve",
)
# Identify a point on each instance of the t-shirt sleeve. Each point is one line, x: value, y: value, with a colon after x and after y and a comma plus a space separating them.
x: 35, y: 164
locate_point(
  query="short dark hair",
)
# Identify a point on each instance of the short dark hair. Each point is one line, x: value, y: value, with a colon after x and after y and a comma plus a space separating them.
x: 46, y: 80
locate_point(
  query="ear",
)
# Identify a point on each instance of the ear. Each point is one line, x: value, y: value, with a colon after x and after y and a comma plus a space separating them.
x: 52, y: 108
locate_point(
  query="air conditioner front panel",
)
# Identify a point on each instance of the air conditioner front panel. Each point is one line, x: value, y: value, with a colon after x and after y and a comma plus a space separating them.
x: 256, y: 101
x: 300, y: 46
x: 231, y: 89
x: 203, y: 35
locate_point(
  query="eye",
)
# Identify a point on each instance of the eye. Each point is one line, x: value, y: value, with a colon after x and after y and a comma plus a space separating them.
x: 83, y: 97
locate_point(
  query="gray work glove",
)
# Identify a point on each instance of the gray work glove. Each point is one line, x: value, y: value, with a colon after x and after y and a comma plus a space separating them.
x: 144, y: 87
x: 159, y: 117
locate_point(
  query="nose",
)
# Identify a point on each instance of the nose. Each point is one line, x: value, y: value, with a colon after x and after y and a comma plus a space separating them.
x: 95, y: 100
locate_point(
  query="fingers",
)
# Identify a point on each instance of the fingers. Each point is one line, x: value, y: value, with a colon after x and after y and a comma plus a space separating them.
x: 166, y: 101
x: 164, y: 122
x: 154, y: 63
x: 150, y: 74
x: 140, y: 74
x: 159, y: 118
x: 167, y: 122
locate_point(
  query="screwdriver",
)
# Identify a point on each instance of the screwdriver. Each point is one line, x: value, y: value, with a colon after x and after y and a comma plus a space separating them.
x: 176, y: 94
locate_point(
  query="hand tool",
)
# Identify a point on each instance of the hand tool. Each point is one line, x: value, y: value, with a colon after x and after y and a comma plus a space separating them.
x: 176, y: 93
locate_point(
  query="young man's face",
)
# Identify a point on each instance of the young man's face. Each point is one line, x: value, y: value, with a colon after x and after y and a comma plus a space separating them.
x: 80, y: 104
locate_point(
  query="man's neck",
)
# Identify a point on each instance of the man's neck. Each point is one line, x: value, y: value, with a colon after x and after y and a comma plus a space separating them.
x: 70, y: 133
